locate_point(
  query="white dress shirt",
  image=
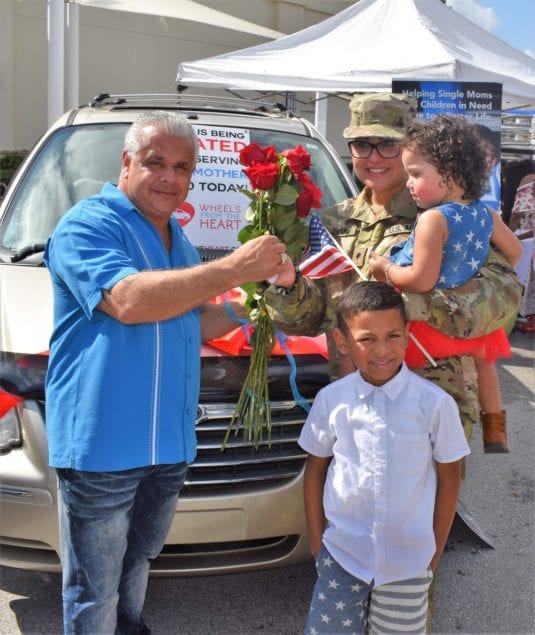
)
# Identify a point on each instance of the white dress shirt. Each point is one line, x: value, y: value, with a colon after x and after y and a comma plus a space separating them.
x: 379, y: 494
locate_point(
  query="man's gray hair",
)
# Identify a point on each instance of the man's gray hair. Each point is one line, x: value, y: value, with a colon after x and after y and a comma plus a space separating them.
x: 165, y: 121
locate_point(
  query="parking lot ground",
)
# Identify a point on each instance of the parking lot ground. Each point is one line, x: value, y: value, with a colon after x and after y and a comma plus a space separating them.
x: 482, y: 590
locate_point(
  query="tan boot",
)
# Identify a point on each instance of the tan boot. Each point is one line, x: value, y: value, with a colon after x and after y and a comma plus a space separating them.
x: 494, y: 432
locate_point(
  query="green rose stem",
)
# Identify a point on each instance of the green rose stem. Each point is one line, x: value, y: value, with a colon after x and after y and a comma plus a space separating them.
x: 253, y: 409
x: 274, y: 211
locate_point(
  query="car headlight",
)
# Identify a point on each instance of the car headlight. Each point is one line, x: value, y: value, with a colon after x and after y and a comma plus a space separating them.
x: 10, y: 431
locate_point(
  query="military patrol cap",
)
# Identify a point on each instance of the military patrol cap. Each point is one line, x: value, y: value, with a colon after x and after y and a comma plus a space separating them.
x: 380, y: 115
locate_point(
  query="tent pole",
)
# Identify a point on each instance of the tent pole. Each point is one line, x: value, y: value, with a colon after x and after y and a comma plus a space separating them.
x: 56, y: 20
x: 72, y: 58
x: 320, y: 117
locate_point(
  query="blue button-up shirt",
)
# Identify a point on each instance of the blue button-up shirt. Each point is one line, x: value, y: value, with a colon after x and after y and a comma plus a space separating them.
x: 117, y: 396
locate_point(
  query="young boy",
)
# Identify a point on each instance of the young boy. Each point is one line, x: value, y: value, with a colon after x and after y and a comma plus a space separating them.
x: 382, y: 477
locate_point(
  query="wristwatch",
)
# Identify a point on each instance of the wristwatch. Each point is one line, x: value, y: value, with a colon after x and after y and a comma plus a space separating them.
x: 289, y: 290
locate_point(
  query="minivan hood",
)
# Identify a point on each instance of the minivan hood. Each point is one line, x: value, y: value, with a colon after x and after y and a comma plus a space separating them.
x: 26, y: 316
x: 26, y: 311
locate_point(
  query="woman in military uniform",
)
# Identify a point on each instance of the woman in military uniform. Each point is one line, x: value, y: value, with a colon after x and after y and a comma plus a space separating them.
x: 382, y: 215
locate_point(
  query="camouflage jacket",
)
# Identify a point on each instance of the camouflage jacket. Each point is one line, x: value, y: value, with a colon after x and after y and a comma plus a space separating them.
x: 309, y: 308
x: 481, y: 305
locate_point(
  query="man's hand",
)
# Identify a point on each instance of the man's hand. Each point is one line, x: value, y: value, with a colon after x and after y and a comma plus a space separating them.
x: 259, y: 259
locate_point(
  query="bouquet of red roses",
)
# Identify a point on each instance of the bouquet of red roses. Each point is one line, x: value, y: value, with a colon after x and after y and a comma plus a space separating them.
x: 280, y: 201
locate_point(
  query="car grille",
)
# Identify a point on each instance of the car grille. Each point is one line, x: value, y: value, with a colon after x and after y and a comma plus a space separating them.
x: 240, y: 467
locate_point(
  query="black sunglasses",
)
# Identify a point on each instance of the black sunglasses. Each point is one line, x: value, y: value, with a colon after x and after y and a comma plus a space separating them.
x: 387, y: 149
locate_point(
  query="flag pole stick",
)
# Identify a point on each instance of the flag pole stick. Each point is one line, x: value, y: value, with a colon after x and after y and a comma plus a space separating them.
x: 363, y: 277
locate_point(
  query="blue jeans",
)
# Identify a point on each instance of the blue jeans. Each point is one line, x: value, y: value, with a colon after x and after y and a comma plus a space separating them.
x: 111, y: 525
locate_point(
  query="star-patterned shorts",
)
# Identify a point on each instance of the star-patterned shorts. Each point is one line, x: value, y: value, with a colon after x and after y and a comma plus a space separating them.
x: 344, y: 604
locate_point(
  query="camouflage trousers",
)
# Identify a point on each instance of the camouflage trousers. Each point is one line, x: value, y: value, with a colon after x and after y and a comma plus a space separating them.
x: 458, y: 377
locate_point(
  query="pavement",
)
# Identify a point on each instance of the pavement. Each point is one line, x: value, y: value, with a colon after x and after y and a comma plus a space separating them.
x: 479, y: 589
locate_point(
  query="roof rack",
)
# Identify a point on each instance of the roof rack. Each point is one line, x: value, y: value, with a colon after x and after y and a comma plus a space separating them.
x: 182, y: 101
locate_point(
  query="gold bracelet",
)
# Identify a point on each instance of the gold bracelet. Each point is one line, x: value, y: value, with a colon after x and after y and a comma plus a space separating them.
x: 386, y: 269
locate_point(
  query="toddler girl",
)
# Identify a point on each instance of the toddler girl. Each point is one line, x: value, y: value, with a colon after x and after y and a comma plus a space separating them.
x: 446, y: 167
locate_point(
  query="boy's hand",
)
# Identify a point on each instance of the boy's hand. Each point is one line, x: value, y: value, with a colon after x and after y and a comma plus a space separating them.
x: 315, y: 547
x: 448, y: 487
x: 313, y: 484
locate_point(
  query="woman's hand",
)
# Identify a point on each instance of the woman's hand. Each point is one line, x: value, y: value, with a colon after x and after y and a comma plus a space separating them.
x: 286, y: 275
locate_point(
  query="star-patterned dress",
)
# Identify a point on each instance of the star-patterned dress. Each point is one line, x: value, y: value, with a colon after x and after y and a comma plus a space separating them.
x: 465, y: 250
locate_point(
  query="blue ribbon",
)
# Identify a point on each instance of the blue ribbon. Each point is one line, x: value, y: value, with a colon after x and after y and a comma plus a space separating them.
x: 282, y: 338
x: 298, y: 398
x: 241, y: 321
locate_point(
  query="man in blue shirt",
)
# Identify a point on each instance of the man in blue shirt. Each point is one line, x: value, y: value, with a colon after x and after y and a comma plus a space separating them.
x: 131, y: 307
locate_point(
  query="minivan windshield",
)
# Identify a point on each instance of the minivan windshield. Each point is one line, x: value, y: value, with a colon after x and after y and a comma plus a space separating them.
x: 76, y: 161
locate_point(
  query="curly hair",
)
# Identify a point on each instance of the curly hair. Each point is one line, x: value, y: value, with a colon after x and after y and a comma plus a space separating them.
x: 455, y: 148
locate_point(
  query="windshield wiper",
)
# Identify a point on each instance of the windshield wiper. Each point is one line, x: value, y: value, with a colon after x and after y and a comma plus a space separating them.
x: 29, y: 250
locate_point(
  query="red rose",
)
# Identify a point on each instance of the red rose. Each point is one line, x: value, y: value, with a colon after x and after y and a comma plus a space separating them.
x: 298, y: 160
x: 255, y: 153
x: 309, y: 196
x: 303, y: 204
x: 263, y: 176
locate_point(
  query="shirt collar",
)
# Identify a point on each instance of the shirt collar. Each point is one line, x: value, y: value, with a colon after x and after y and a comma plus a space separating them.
x: 182, y: 252
x: 122, y: 204
x: 392, y: 388
x: 119, y: 201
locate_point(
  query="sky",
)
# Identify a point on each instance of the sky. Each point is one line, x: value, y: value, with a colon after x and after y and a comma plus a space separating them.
x: 510, y: 20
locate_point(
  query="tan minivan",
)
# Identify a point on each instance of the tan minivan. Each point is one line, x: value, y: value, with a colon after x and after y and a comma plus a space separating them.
x: 241, y: 508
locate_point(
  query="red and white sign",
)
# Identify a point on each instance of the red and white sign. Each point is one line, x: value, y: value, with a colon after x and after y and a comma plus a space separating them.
x: 214, y: 211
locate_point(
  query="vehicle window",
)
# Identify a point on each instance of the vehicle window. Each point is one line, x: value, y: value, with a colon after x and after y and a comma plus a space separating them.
x: 73, y: 164
x: 76, y: 161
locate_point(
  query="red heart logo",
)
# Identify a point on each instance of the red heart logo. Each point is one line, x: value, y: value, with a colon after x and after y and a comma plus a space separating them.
x: 184, y: 213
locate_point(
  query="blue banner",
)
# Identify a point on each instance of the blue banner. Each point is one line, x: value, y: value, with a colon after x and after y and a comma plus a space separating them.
x: 480, y: 102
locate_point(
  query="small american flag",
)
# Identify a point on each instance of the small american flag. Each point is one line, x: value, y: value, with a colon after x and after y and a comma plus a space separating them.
x: 323, y: 257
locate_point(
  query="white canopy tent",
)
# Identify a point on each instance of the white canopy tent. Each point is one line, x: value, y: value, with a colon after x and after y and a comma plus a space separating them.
x: 364, y: 47
x: 184, y: 10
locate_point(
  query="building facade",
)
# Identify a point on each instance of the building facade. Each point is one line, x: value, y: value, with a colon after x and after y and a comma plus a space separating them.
x: 123, y: 52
